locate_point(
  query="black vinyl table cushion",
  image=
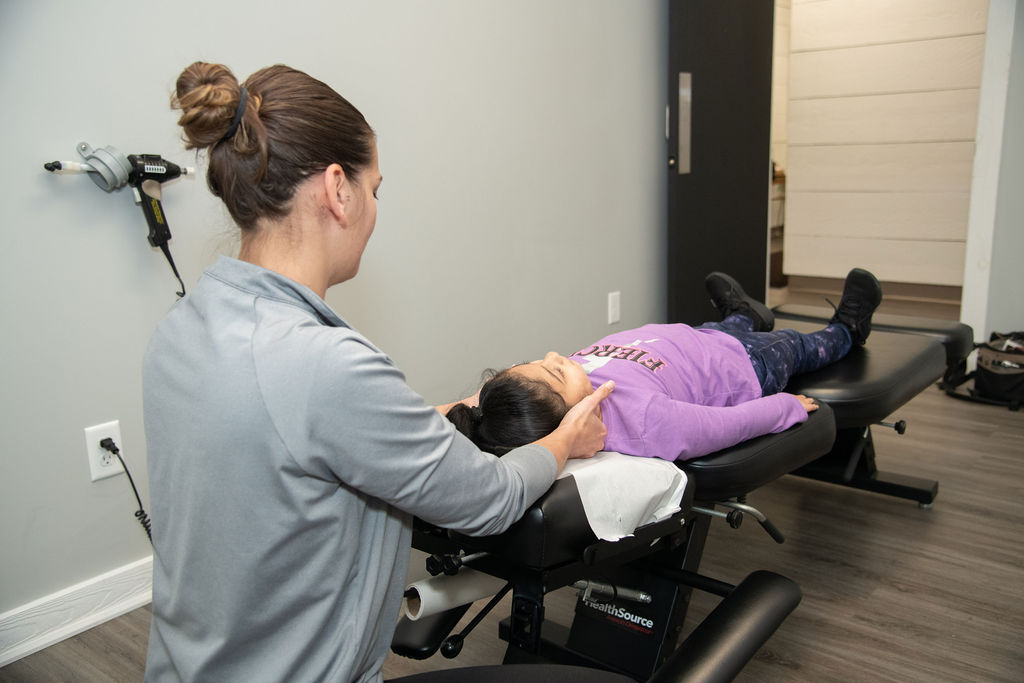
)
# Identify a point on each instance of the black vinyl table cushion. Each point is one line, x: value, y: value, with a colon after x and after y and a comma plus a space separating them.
x: 553, y: 531
x: 750, y: 465
x: 873, y: 380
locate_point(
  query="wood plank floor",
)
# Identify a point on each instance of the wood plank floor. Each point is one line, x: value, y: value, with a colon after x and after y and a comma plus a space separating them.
x: 891, y: 592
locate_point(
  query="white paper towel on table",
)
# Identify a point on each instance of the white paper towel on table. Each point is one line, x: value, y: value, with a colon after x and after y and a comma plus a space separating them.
x: 622, y: 492
x: 440, y: 593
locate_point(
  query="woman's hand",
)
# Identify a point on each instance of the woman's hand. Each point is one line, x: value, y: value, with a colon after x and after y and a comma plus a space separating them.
x: 808, y: 403
x: 581, y: 432
x: 585, y: 416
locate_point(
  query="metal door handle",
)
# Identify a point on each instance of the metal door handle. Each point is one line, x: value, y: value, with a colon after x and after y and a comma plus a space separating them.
x: 684, y: 123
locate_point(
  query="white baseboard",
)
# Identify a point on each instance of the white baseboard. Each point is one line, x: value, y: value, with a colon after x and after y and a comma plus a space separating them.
x: 51, y: 619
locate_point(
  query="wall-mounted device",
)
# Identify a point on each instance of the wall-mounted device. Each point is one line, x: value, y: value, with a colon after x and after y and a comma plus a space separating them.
x: 111, y: 170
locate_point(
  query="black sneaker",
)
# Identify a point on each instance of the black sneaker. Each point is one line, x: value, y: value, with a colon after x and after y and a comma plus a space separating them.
x: 861, y: 296
x: 728, y: 298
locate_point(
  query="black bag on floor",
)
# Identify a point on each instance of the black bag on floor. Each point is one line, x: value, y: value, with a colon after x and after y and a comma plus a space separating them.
x: 999, y: 376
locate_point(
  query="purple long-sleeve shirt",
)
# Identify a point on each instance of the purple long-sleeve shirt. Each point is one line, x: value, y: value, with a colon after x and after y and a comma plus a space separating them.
x: 682, y: 392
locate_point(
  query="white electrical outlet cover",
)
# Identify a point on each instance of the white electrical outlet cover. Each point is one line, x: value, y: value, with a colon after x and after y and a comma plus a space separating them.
x: 614, y: 310
x: 103, y: 463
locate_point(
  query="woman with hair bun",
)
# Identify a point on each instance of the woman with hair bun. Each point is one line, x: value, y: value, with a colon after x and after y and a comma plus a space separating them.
x: 287, y: 455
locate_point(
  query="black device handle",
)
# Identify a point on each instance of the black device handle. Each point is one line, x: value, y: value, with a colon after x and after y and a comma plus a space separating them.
x: 148, y: 172
x: 159, y: 232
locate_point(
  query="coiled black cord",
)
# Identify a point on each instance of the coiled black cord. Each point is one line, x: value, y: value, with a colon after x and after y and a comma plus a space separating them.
x: 140, y: 514
x: 143, y: 518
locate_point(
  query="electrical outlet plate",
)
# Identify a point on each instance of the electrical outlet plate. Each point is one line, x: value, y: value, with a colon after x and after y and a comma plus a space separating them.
x: 103, y: 463
x: 614, y: 299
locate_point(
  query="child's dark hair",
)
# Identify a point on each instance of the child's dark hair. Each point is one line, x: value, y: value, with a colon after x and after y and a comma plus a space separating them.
x: 513, y: 412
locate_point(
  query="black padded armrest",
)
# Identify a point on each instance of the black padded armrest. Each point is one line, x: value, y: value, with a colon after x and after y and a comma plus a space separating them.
x: 739, y: 470
x: 422, y: 638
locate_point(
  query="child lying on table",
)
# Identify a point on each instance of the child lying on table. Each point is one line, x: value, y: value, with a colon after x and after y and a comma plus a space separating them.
x: 680, y: 392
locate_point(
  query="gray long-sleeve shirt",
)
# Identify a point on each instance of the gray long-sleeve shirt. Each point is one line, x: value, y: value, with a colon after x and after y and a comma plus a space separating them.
x: 287, y: 456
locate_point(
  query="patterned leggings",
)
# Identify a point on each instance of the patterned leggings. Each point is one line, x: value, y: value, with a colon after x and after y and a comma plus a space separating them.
x: 781, y: 354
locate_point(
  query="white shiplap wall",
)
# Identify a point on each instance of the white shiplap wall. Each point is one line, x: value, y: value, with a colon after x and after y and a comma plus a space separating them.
x: 882, y: 113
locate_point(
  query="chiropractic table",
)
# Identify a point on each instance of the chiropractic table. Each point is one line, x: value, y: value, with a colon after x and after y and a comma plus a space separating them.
x: 634, y: 591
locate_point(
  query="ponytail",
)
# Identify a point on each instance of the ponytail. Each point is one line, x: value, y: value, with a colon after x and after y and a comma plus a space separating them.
x: 513, y: 412
x: 464, y: 418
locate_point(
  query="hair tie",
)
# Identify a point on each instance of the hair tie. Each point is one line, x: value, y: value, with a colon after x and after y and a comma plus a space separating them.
x: 239, y: 112
x: 476, y: 413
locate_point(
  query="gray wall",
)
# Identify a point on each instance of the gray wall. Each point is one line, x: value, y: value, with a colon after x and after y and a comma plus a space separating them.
x: 521, y: 145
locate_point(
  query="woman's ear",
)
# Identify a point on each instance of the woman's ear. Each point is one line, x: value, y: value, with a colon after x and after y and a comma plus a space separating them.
x: 334, y: 186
